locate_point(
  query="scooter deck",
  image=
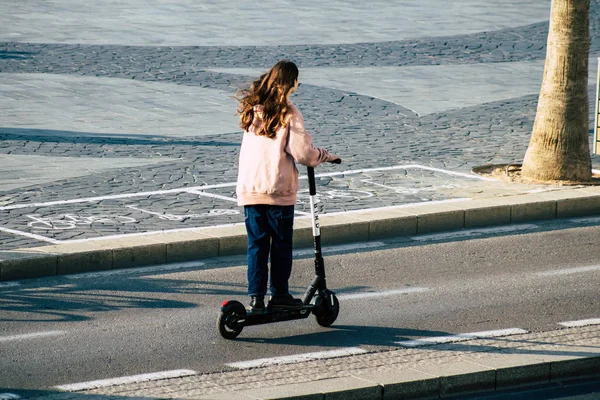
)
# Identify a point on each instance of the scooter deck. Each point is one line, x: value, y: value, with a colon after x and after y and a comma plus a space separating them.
x: 278, y: 314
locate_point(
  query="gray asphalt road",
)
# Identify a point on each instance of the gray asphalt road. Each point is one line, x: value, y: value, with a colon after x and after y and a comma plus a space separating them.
x: 104, y: 325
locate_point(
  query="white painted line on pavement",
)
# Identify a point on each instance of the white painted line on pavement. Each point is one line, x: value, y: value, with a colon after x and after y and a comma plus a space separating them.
x: 136, y: 271
x: 34, y: 335
x: 214, y: 196
x: 155, y: 376
x: 230, y: 184
x: 9, y: 396
x: 461, y: 337
x: 385, y: 293
x: 569, y: 271
x: 4, y: 285
x: 474, y: 232
x: 30, y: 235
x: 149, y: 233
x: 296, y: 358
x: 114, y: 197
x: 340, y: 248
x: 424, y: 203
x: 408, y: 166
x: 584, y: 220
x: 580, y: 323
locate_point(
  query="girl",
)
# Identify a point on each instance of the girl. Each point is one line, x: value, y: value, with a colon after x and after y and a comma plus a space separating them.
x: 274, y: 137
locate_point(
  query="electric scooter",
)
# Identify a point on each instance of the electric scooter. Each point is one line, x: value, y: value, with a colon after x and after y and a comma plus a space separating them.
x: 317, y: 300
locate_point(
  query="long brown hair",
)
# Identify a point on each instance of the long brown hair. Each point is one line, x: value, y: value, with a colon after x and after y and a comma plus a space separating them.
x: 270, y: 91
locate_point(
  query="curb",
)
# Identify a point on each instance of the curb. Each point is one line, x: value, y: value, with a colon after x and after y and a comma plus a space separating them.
x: 125, y: 251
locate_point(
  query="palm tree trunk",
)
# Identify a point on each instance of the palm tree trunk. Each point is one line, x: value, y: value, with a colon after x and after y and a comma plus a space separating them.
x: 559, y: 146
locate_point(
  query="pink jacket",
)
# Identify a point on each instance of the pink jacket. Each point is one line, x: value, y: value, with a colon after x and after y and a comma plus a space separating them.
x: 267, y: 173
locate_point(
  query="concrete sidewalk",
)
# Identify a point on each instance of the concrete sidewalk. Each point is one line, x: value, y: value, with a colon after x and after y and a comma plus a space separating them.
x: 413, y: 371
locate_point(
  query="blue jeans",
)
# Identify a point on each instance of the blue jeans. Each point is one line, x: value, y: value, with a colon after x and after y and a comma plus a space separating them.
x: 270, y: 230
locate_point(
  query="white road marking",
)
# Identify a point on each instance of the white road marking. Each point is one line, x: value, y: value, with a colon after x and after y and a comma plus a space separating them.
x: 584, y: 220
x: 9, y: 396
x: 4, y: 285
x: 214, y: 196
x: 75, y: 387
x: 408, y: 166
x: 136, y: 271
x: 296, y: 358
x: 149, y: 233
x: 461, y: 337
x: 229, y: 184
x: 569, y: 271
x: 474, y: 232
x: 200, y: 190
x: 340, y: 248
x: 29, y: 235
x: 580, y: 323
x: 34, y: 335
x: 114, y: 197
x: 424, y: 203
x: 385, y: 293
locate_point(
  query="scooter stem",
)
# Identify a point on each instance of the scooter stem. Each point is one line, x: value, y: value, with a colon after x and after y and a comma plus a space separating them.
x: 316, y: 227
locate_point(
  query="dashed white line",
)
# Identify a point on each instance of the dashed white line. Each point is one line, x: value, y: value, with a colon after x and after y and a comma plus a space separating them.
x: 75, y: 387
x: 461, y: 337
x: 34, y: 335
x: 4, y: 285
x: 474, y: 232
x: 580, y: 323
x: 137, y: 271
x: 340, y: 248
x: 585, y: 220
x: 9, y: 396
x: 385, y: 293
x: 296, y: 358
x: 569, y: 271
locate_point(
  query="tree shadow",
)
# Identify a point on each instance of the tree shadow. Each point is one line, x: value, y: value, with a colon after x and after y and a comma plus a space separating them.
x: 349, y: 336
x: 72, y: 300
x: 356, y: 336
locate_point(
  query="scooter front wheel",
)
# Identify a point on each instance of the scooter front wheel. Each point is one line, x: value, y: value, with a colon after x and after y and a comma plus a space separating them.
x: 326, y: 310
x: 231, y: 319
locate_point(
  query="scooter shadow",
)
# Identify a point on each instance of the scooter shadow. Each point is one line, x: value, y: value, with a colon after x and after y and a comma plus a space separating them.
x: 347, y: 336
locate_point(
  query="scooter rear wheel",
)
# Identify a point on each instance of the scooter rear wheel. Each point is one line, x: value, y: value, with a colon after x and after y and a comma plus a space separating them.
x: 326, y: 310
x: 228, y: 321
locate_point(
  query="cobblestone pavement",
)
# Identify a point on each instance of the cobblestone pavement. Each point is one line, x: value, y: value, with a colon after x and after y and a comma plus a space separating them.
x: 100, y: 139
